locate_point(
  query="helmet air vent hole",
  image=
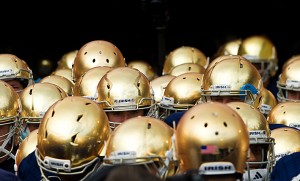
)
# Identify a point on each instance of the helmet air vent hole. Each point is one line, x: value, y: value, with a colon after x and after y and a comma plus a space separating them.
x: 205, y: 125
x: 149, y: 126
x: 216, y: 133
x: 225, y: 124
x: 85, y: 53
x: 79, y: 117
x: 107, y: 60
x: 94, y: 60
x: 30, y: 92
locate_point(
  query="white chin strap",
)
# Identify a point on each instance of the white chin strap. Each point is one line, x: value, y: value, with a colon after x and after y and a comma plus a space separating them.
x: 5, y: 142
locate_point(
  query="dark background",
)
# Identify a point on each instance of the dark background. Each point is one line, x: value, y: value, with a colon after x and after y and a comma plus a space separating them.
x: 144, y: 29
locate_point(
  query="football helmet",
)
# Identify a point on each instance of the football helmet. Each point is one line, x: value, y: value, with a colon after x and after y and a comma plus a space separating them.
x: 35, y: 101
x: 266, y: 102
x: 71, y: 136
x: 184, y: 54
x: 10, y: 107
x: 230, y: 47
x: 144, y: 67
x: 208, y: 134
x: 232, y: 76
x: 125, y: 89
x: 290, y: 60
x: 96, y: 53
x: 286, y: 113
x: 158, y: 86
x: 87, y: 83
x: 25, y: 148
x: 12, y: 67
x: 260, y: 140
x: 60, y: 81
x: 186, y: 68
x: 67, y: 73
x: 181, y: 93
x: 67, y: 60
x: 144, y: 141
x: 288, y: 82
x: 287, y: 141
x: 260, y: 51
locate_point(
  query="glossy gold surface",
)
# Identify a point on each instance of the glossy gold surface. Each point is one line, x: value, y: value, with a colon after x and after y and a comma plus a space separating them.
x: 184, y: 54
x: 9, y: 104
x: 124, y: 88
x: 267, y: 101
x: 186, y: 68
x: 230, y: 47
x: 287, y: 141
x: 159, y: 85
x: 37, y: 98
x: 67, y: 73
x: 12, y: 66
x: 60, y: 81
x: 184, y: 89
x: 74, y: 129
x: 211, y: 124
x: 144, y: 67
x: 97, y: 53
x: 67, y: 60
x: 87, y: 83
x: 258, y: 49
x: 27, y: 146
x: 286, y: 113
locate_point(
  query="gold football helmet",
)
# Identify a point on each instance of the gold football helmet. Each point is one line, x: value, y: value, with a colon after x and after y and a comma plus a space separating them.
x: 144, y: 141
x: 25, y: 148
x: 286, y: 113
x: 260, y: 51
x: 60, y: 81
x: 186, y: 68
x: 266, y: 102
x: 87, y: 83
x: 144, y: 67
x: 9, y: 114
x: 67, y: 73
x: 290, y: 60
x: 232, y: 76
x: 12, y: 67
x: 35, y: 101
x: 230, y: 47
x: 181, y: 93
x: 211, y: 133
x: 67, y: 60
x: 124, y: 89
x: 261, y: 144
x: 289, y: 82
x: 184, y: 54
x: 96, y: 53
x: 71, y: 136
x: 287, y: 141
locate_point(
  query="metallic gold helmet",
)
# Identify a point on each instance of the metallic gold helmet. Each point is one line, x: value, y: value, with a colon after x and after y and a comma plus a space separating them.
x: 287, y: 141
x: 67, y: 73
x: 71, y: 136
x: 184, y: 54
x: 87, y: 83
x: 260, y: 51
x: 158, y: 86
x: 96, y: 53
x: 232, y: 76
x: 9, y: 114
x: 60, y: 81
x: 286, y: 113
x: 266, y: 102
x: 36, y: 99
x: 144, y: 141
x: 12, y: 67
x: 230, y: 47
x: 67, y: 60
x: 290, y: 60
x: 181, y: 93
x: 144, y: 67
x: 261, y: 143
x: 289, y: 82
x: 212, y: 133
x: 25, y: 148
x: 186, y: 68
x: 123, y: 89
